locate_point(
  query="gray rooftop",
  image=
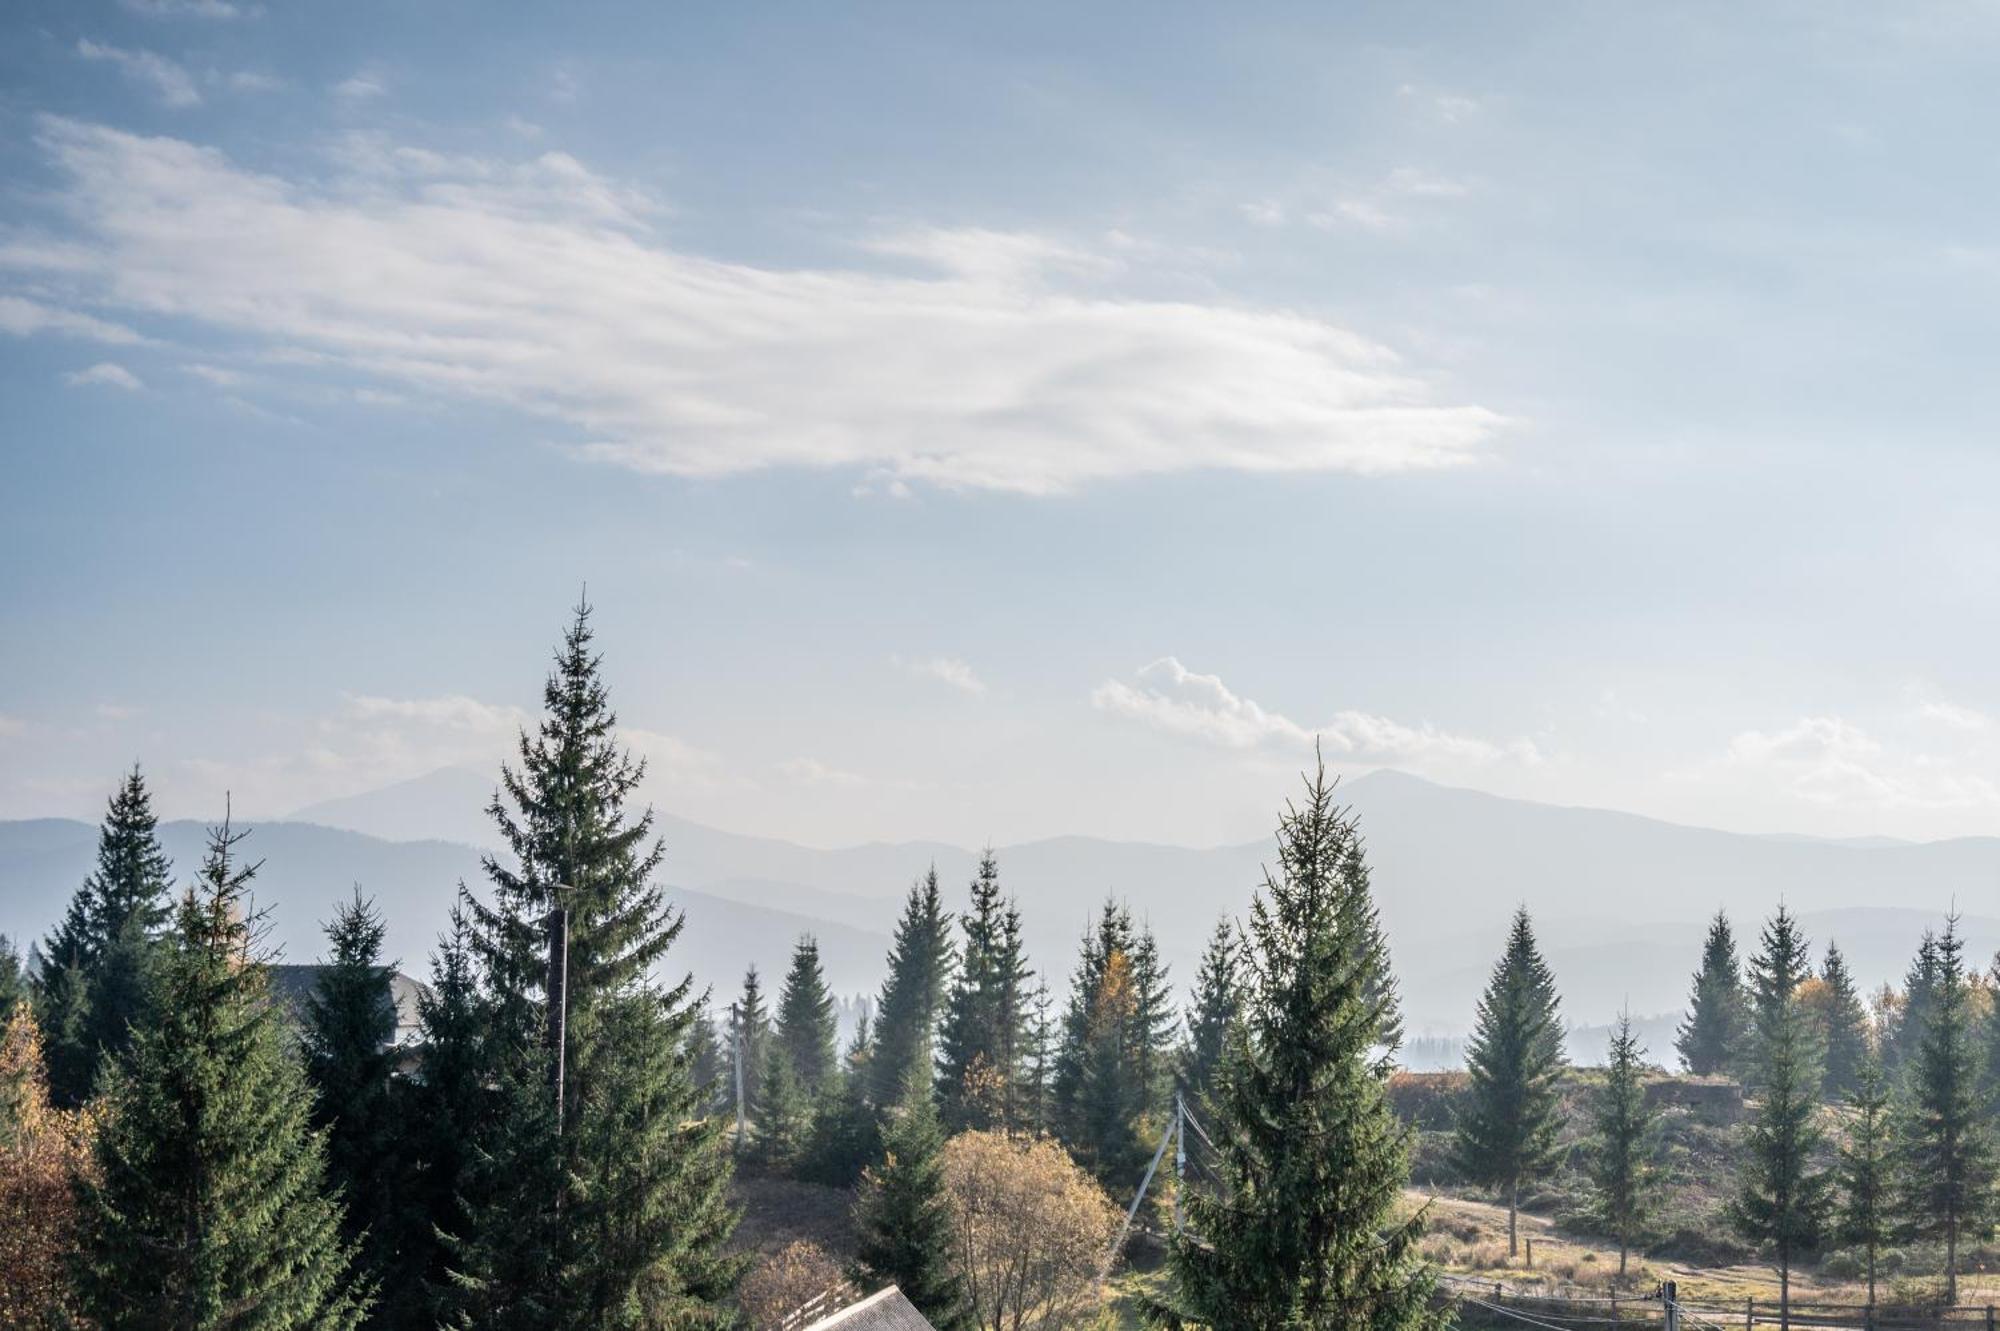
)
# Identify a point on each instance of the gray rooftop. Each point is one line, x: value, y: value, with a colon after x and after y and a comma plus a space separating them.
x: 885, y: 1310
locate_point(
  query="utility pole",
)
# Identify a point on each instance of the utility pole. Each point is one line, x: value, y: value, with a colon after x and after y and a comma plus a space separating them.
x: 559, y: 990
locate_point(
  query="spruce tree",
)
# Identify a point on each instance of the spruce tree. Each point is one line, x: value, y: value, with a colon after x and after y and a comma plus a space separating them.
x: 709, y: 1064
x: 1948, y: 1164
x: 1625, y: 1146
x: 13, y: 976
x: 1215, y: 1009
x: 1038, y: 1066
x: 749, y: 1038
x: 980, y: 1037
x: 806, y: 1028
x: 609, y: 1210
x: 905, y: 1217
x: 1866, y: 1175
x: 784, y: 1113
x: 349, y: 1046
x: 906, y: 1017
x: 845, y: 1133
x: 1911, y: 1018
x: 1507, y: 1129
x: 1307, y: 1230
x: 1843, y: 1028
x: 1111, y: 1090
x: 208, y: 1207
x: 97, y: 972
x: 448, y: 1109
x: 1714, y: 1037
x: 1782, y: 1195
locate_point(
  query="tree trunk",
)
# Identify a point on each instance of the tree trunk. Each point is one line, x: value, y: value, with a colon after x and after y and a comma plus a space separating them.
x: 1871, y: 1274
x: 1784, y: 1290
x: 1513, y: 1211
x: 1621, y: 1256
x: 1951, y: 1262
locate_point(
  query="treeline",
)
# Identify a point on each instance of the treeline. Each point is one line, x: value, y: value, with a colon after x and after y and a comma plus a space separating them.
x: 179, y: 1149
x: 1868, y: 1123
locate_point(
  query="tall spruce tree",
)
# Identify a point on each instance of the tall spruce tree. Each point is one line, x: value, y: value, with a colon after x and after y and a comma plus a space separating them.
x: 980, y: 1038
x: 845, y: 1134
x: 1506, y: 1133
x: 806, y: 1027
x: 1624, y: 1150
x: 1948, y: 1165
x: 1215, y: 1011
x: 1843, y: 1027
x: 749, y: 1038
x: 1911, y: 1017
x: 609, y: 1210
x: 1867, y: 1171
x: 1714, y: 1037
x: 1307, y: 1230
x: 709, y: 1064
x: 448, y: 1109
x: 1110, y: 1087
x: 1782, y: 1195
x: 97, y: 965
x: 208, y: 1207
x: 13, y: 976
x: 906, y: 1017
x: 349, y: 1045
x: 905, y: 1217
x: 784, y: 1114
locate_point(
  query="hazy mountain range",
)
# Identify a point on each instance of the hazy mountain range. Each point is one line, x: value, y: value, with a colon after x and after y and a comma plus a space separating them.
x: 1620, y: 900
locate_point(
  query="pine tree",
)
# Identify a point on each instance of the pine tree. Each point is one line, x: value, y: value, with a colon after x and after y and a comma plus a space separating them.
x: 710, y: 1065
x: 806, y: 1027
x: 749, y: 1037
x: 1110, y: 1087
x: 1038, y: 1066
x: 98, y: 963
x: 1948, y: 1164
x: 1867, y: 1167
x: 1307, y: 1231
x: 609, y: 1210
x: 449, y: 1108
x: 1215, y: 1011
x: 209, y: 1207
x: 1782, y: 1196
x: 906, y: 1017
x: 1905, y: 1032
x: 1507, y: 1131
x: 845, y: 1133
x: 980, y: 1037
x: 1622, y: 1162
x: 784, y: 1113
x: 1714, y: 1038
x: 13, y: 977
x: 348, y: 1041
x: 905, y: 1218
x: 1843, y: 1028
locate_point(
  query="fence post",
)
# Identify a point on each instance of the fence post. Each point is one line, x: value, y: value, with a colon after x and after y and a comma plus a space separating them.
x: 1749, y: 1311
x: 1670, y: 1299
x: 1989, y: 1317
x: 1531, y: 1259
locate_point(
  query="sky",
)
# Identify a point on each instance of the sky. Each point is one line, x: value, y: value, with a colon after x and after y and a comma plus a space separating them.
x: 989, y: 425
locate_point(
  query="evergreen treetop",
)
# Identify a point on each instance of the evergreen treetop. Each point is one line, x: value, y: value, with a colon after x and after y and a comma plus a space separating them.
x: 1215, y: 1012
x: 1712, y: 1038
x: 1622, y: 1160
x: 1867, y: 1170
x: 208, y: 1206
x: 1507, y: 1129
x: 1307, y: 1231
x: 806, y: 1027
x: 1843, y: 1027
x: 920, y: 963
x: 905, y: 1217
x: 981, y: 1036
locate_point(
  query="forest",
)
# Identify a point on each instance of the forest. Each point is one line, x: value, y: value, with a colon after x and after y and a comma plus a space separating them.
x: 573, y: 1136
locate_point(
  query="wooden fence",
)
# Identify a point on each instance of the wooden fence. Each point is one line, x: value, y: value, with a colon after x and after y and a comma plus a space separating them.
x: 1484, y: 1303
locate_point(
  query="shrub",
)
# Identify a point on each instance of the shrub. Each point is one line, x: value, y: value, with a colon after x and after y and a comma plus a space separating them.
x: 788, y: 1280
x: 1030, y: 1229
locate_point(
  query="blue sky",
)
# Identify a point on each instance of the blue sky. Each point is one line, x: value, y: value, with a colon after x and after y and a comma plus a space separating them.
x: 984, y: 425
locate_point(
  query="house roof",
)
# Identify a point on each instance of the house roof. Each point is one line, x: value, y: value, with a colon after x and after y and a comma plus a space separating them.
x: 884, y: 1310
x: 293, y: 985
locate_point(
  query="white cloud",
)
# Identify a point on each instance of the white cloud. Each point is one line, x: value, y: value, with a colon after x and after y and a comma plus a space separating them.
x: 106, y: 373
x: 24, y: 318
x: 1179, y: 701
x: 249, y: 80
x: 1831, y: 761
x: 220, y: 376
x: 210, y: 9
x: 1383, y: 206
x: 361, y: 86
x: 945, y: 669
x: 168, y: 80
x: 112, y: 713
x: 1953, y: 716
x: 813, y: 772
x: 539, y: 285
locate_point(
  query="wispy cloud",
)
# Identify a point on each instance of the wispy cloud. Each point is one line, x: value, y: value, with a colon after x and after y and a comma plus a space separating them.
x: 1171, y: 698
x: 1829, y: 760
x: 107, y: 374
x: 208, y: 9
x: 813, y: 772
x: 173, y: 85
x: 1385, y: 205
x: 945, y: 669
x: 25, y: 318
x: 361, y: 86
x: 1002, y: 365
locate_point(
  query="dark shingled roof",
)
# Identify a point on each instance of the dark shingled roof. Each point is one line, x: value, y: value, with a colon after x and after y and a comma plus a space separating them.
x: 293, y: 985
x: 886, y: 1310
